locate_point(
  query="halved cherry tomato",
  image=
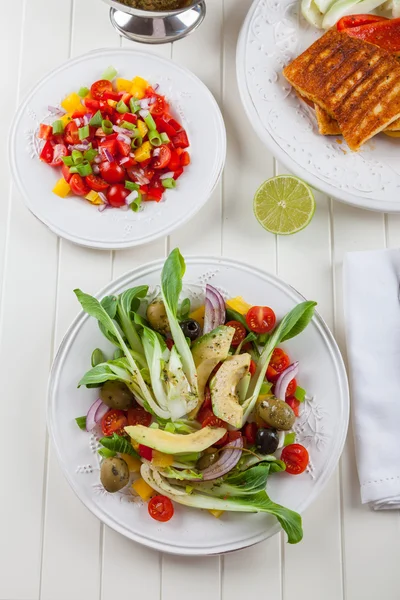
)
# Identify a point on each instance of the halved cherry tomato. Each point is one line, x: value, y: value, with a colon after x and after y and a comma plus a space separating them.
x: 185, y: 159
x: 59, y: 151
x: 45, y: 131
x: 252, y: 368
x: 291, y: 388
x: 180, y: 139
x: 356, y: 20
x: 234, y: 435
x: 91, y: 104
x: 71, y: 134
x: 278, y: 363
x: 99, y: 88
x: 78, y: 186
x: 66, y: 173
x: 294, y: 404
x: 47, y: 152
x: 154, y: 194
x: 240, y: 332
x: 114, y: 421
x: 161, y: 508
x: 163, y: 158
x: 261, y: 319
x: 145, y: 452
x: 116, y: 195
x: 296, y: 458
x: 175, y: 161
x: 139, y: 416
x: 112, y: 172
x: 250, y: 432
x: 96, y: 183
x: 159, y: 107
x: 212, y: 421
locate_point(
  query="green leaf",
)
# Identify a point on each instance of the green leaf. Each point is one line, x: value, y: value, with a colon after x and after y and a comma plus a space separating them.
x: 119, y: 444
x: 184, y: 309
x: 81, y: 422
x: 109, y: 371
x: 109, y: 303
x: 105, y: 453
x: 297, y: 320
x: 97, y: 357
x: 180, y: 474
x: 124, y: 307
x: 118, y: 353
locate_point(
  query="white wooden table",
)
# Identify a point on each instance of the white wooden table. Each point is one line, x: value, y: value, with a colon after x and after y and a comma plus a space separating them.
x: 51, y: 547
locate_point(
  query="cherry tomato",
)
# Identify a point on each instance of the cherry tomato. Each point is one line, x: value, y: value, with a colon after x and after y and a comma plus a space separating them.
x: 296, y: 458
x: 291, y: 388
x: 45, y: 131
x: 145, y: 452
x: 114, y: 421
x: 71, y: 134
x: 109, y: 144
x: 278, y: 363
x: 116, y: 195
x: 161, y: 508
x: 59, y: 151
x: 99, y: 88
x: 252, y: 368
x: 212, y: 421
x: 162, y: 160
x: 138, y: 416
x: 78, y: 186
x: 261, y: 319
x: 180, y: 139
x: 66, y: 173
x: 47, y: 153
x: 250, y: 432
x: 112, y: 172
x: 294, y: 404
x: 96, y: 183
x: 159, y: 107
x: 240, y: 332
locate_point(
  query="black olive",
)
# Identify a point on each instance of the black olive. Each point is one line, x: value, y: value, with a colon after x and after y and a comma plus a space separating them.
x: 191, y: 329
x: 267, y: 440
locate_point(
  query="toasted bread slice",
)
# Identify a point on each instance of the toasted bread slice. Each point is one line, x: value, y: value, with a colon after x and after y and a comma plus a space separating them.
x: 356, y: 83
x: 329, y: 126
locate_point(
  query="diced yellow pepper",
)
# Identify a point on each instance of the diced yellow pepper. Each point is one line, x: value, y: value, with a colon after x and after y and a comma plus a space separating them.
x: 143, y: 153
x: 62, y: 188
x: 143, y: 129
x: 216, y: 513
x: 138, y: 88
x: 143, y: 489
x: 93, y: 197
x: 137, y: 93
x: 65, y: 119
x: 123, y: 85
x: 72, y: 103
x: 135, y: 445
x: 133, y: 463
x: 198, y: 315
x: 140, y: 82
x: 112, y: 103
x: 162, y: 460
x: 239, y: 305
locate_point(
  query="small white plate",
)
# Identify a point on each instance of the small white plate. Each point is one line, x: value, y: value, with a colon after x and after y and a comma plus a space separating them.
x: 321, y: 427
x: 76, y: 219
x: 273, y: 34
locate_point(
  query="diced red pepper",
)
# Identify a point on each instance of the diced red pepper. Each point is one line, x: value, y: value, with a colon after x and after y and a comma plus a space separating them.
x: 175, y: 162
x: 145, y: 452
x: 294, y: 404
x: 155, y: 194
x: 185, y: 159
x: 178, y: 173
x: 92, y: 104
x: 385, y: 34
x: 144, y: 189
x: 66, y: 173
x: 78, y: 114
x: 130, y: 118
x: 357, y: 20
x: 45, y: 131
x: 112, y: 96
x: 47, y: 152
x: 164, y: 127
x: 177, y: 126
x: 126, y: 98
x: 123, y: 148
x: 180, y: 140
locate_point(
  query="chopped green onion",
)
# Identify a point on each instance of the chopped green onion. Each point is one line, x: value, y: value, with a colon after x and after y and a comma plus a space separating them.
x: 84, y: 132
x: 84, y: 168
x: 122, y: 107
x: 81, y: 422
x: 170, y: 427
x: 134, y: 105
x: 265, y: 388
x: 67, y: 160
x: 96, y: 120
x: 109, y: 74
x: 164, y: 138
x: 151, y: 124
x: 127, y: 125
x: 106, y: 453
x: 83, y: 92
x: 300, y: 394
x: 290, y: 438
x: 130, y: 185
x: 77, y: 156
x: 169, y: 183
x: 107, y: 126
x: 90, y: 154
x: 154, y: 138
x: 58, y: 127
x: 73, y: 169
x: 137, y: 142
x: 136, y: 203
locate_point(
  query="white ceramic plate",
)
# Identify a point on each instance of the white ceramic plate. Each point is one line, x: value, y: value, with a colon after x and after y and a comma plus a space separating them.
x: 273, y: 35
x: 322, y: 425
x: 79, y: 221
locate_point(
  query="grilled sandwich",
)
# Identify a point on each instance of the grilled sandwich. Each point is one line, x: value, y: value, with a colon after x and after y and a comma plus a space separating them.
x: 356, y: 83
x: 329, y: 126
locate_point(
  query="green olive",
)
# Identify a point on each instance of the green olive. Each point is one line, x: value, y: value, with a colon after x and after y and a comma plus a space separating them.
x: 276, y: 413
x: 157, y: 317
x: 114, y: 474
x: 116, y: 394
x: 207, y: 460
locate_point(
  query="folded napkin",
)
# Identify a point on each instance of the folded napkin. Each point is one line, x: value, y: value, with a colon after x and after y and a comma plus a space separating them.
x: 372, y: 317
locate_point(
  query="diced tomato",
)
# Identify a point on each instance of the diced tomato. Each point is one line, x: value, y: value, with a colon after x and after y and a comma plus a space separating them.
x: 112, y: 96
x: 145, y: 452
x: 175, y: 162
x: 185, y: 159
x: 47, y: 153
x: 45, y: 131
x: 92, y: 104
x: 78, y: 185
x: 110, y: 145
x: 159, y: 107
x: 224, y: 440
x: 180, y: 140
x: 164, y: 127
x: 296, y: 458
x: 356, y: 20
x: 155, y: 194
x: 59, y: 151
x: 139, y: 416
x: 123, y: 148
x: 114, y: 421
x: 71, y: 135
x: 163, y: 158
x: 99, y: 88
x: 294, y: 404
x: 178, y: 173
x: 161, y: 508
x: 96, y: 183
x: 66, y: 173
x: 130, y: 118
x: 250, y: 432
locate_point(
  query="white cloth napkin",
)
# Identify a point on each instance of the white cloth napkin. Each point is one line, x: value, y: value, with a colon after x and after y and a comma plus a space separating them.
x: 372, y: 317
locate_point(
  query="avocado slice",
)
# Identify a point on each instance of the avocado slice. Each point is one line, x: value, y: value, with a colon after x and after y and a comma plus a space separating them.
x: 223, y: 387
x: 207, y: 352
x: 175, y: 443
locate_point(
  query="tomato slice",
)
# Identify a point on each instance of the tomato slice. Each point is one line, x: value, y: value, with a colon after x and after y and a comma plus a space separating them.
x: 163, y: 158
x: 96, y: 183
x: 296, y: 458
x: 294, y: 404
x: 161, y: 508
x: 261, y: 319
x: 114, y: 421
x: 159, y: 107
x: 278, y: 363
x: 47, y: 152
x: 78, y: 186
x: 356, y: 20
x: 116, y: 195
x: 139, y: 416
x: 71, y: 134
x: 99, y: 88
x: 59, y: 151
x: 240, y: 332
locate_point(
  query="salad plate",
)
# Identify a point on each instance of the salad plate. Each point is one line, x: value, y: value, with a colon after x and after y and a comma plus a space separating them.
x: 321, y: 426
x: 273, y: 35
x: 71, y: 217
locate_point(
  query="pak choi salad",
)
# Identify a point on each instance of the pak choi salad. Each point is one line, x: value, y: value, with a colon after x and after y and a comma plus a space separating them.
x: 197, y: 404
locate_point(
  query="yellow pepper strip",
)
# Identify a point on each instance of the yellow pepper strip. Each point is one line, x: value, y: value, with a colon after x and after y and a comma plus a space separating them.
x: 112, y: 103
x: 123, y: 85
x: 198, y: 315
x: 143, y: 153
x: 62, y: 188
x: 65, y: 119
x: 133, y: 463
x: 72, y: 103
x: 94, y: 198
x: 216, y: 513
x: 143, y: 489
x: 143, y: 129
x: 162, y: 460
x: 239, y: 305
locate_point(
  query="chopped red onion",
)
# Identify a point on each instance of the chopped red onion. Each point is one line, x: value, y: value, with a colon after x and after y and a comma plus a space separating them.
x: 77, y: 122
x: 124, y: 160
x: 100, y: 412
x: 124, y: 138
x: 156, y: 86
x: 102, y: 207
x: 215, y: 309
x: 97, y: 159
x: 284, y: 379
x: 95, y: 169
x: 99, y: 132
x: 227, y: 461
x: 131, y: 198
x: 123, y: 131
x: 86, y: 118
x: 156, y: 152
x: 56, y: 111
x: 81, y: 147
x: 103, y: 197
x: 144, y: 104
x: 108, y: 155
x: 140, y: 177
x: 91, y: 417
x: 152, y: 100
x: 167, y: 175
x: 143, y: 113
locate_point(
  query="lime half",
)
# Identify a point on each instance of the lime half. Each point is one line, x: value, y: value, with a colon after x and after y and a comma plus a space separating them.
x: 284, y: 204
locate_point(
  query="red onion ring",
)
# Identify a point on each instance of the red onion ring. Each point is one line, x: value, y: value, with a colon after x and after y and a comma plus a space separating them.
x: 95, y: 413
x: 284, y: 379
x: 227, y: 461
x: 215, y: 312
